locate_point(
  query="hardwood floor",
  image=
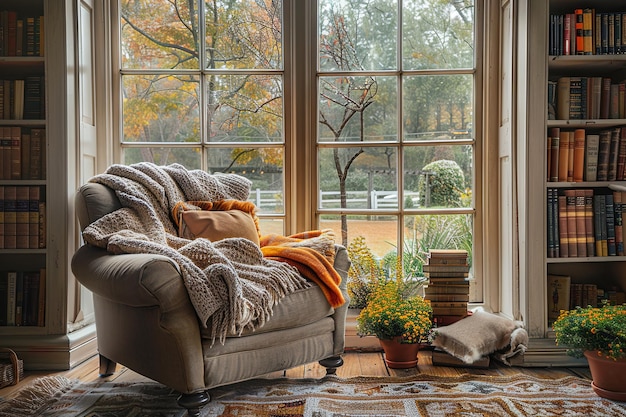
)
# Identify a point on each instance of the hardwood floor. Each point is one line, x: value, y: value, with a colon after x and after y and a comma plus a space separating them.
x: 355, y: 364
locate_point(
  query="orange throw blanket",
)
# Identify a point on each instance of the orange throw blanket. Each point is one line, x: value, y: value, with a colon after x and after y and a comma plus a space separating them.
x: 311, y: 253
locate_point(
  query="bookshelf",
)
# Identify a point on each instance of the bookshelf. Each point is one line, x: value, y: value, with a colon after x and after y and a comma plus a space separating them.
x: 586, y: 98
x: 46, y: 337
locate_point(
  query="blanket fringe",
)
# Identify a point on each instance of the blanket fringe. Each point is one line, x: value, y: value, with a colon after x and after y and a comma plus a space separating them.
x: 35, y: 396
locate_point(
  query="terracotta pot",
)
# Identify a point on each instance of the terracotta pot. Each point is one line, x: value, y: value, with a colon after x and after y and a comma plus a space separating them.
x: 400, y: 355
x: 608, y: 375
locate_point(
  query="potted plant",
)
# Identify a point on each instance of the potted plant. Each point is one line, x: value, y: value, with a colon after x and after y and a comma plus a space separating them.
x: 598, y: 333
x: 401, y: 322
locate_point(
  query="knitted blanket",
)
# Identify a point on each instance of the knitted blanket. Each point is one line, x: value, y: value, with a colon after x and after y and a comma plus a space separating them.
x: 229, y: 280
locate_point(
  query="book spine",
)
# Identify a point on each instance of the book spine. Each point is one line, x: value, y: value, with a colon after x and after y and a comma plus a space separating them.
x: 619, y: 237
x: 571, y: 223
x: 555, y: 223
x: 552, y: 227
x: 562, y: 97
x: 581, y: 234
x: 589, y: 223
x: 1, y: 216
x: 564, y: 147
x: 563, y: 233
x: 603, y: 155
x: 41, y: 302
x: 591, y: 157
x: 580, y: 47
x: 34, y: 196
x: 555, y: 134
x: 10, y: 202
x: 588, y: 44
x: 11, y: 297
x: 579, y: 155
x: 21, y: 217
x: 610, y: 225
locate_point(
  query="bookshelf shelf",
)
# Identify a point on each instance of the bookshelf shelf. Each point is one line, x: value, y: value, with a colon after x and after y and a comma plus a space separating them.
x: 590, y: 88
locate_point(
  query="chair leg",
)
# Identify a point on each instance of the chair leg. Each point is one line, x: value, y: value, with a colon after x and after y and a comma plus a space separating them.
x: 107, y: 366
x: 194, y: 402
x: 331, y: 364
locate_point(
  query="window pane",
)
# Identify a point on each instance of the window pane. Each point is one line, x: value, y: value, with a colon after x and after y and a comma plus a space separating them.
x: 440, y: 176
x: 380, y: 233
x: 189, y: 157
x: 358, y: 109
x: 244, y: 108
x: 437, y: 34
x: 161, y: 108
x: 159, y: 34
x: 262, y: 166
x: 244, y: 34
x: 371, y: 176
x: 269, y: 225
x: 438, y: 107
x: 356, y: 35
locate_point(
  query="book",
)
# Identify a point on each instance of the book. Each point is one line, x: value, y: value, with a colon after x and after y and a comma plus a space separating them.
x: 621, y: 155
x: 11, y: 297
x: 576, y: 295
x: 610, y: 225
x: 579, y: 28
x: 562, y: 98
x: 558, y: 294
x: 555, y: 134
x: 41, y: 302
x: 10, y: 223
x: 446, y: 268
x: 591, y: 157
x: 449, y: 311
x: 564, y: 147
x: 434, y: 296
x: 25, y: 157
x: 447, y: 288
x: 603, y: 155
x: 563, y: 233
x: 16, y: 153
x: 619, y: 236
x: 613, y: 154
x: 4, y: 292
x: 570, y: 198
x: 34, y: 197
x: 447, y: 253
x: 589, y: 223
x: 1, y: 216
x: 579, y: 155
x: 21, y: 217
x: 588, y: 43
x: 581, y: 236
x: 552, y: 225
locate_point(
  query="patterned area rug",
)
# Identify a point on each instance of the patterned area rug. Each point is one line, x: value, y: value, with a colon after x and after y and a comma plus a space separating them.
x: 328, y: 397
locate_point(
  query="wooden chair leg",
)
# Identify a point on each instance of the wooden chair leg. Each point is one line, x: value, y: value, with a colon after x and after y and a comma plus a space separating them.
x: 107, y: 366
x: 194, y: 402
x: 331, y: 364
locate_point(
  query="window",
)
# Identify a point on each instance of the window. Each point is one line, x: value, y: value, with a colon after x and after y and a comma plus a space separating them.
x: 212, y: 85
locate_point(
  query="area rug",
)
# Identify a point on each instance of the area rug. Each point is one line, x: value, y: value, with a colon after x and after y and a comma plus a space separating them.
x: 331, y: 396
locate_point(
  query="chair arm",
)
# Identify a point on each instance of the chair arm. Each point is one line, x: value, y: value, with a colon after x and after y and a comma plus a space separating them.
x: 341, y: 265
x: 145, y: 308
x: 122, y: 278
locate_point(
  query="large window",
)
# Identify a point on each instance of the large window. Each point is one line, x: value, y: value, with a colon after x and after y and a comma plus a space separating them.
x: 208, y: 85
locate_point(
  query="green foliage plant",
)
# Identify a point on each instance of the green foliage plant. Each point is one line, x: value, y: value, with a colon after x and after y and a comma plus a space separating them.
x: 446, y: 182
x: 390, y: 313
x: 601, y: 329
x: 364, y: 273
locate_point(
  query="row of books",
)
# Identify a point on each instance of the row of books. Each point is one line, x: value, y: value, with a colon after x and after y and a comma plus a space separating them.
x: 587, y: 32
x: 21, y: 35
x: 585, y: 223
x: 563, y: 294
x: 22, y: 153
x: 586, y: 155
x: 22, y: 298
x: 22, y: 217
x: 23, y: 99
x: 447, y: 271
x: 581, y: 98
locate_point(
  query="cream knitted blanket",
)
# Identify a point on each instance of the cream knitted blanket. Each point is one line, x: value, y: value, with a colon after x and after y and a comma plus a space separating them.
x: 228, y: 281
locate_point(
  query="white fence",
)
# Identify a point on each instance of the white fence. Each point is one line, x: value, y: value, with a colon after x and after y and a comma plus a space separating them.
x: 268, y: 201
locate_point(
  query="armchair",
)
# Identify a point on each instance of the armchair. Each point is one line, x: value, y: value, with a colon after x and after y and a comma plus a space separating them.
x: 145, y: 320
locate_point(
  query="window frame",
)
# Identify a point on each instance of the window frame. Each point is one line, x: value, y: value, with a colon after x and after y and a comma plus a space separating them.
x: 301, y: 205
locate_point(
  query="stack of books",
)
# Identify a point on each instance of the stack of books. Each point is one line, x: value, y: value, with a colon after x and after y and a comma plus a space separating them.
x: 447, y: 271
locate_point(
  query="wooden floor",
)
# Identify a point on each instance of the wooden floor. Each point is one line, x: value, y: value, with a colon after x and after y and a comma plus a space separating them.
x: 355, y: 364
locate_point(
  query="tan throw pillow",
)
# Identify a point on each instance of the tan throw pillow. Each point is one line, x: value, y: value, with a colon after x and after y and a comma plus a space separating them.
x: 216, y: 221
x: 475, y: 336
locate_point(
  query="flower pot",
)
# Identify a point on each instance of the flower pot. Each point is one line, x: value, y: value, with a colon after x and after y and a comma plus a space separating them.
x: 608, y: 376
x: 399, y: 355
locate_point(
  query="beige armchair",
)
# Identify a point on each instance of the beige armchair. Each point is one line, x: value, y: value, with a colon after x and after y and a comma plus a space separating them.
x: 146, y: 322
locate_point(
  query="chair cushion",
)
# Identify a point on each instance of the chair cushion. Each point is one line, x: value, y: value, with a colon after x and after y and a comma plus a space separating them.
x: 299, y: 308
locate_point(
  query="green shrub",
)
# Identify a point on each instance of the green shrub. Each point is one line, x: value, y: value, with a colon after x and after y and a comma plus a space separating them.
x: 446, y: 182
